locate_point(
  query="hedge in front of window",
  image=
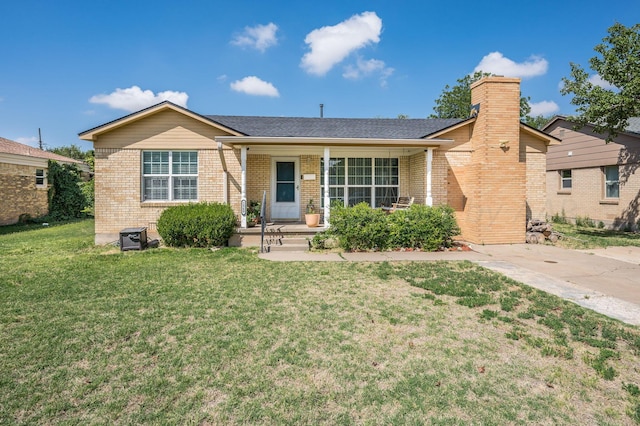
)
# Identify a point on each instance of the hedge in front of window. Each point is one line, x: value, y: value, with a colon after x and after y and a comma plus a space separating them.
x: 420, y: 227
x: 197, y: 225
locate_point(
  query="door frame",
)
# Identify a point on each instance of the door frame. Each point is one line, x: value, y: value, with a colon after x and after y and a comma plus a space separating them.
x: 285, y: 211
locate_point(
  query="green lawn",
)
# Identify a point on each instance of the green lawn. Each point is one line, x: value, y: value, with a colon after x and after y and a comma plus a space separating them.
x: 90, y: 335
x: 580, y: 237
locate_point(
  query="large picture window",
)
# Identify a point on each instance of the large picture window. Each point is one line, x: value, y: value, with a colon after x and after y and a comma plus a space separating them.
x: 356, y: 180
x: 611, y: 182
x: 170, y: 175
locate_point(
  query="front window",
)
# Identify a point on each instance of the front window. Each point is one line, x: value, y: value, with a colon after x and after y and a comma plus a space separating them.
x: 611, y: 182
x: 170, y: 175
x: 565, y: 179
x: 356, y: 180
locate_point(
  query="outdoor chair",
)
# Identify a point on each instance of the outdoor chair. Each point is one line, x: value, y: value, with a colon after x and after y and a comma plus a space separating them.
x: 401, y: 204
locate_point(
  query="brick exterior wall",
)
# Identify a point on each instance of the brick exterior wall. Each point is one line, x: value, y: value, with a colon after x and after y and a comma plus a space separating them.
x: 586, y: 197
x: 118, y: 191
x: 19, y: 194
x: 495, y: 211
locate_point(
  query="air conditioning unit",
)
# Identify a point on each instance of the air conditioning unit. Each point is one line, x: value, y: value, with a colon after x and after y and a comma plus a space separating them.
x: 133, y: 239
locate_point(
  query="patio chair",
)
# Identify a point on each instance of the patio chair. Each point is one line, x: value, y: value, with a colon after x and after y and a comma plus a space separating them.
x: 401, y: 204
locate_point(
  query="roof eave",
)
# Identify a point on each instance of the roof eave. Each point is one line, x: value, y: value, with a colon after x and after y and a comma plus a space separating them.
x: 547, y: 138
x: 92, y: 134
x: 238, y: 141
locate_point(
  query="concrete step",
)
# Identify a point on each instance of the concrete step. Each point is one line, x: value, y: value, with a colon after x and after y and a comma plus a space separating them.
x: 290, y: 243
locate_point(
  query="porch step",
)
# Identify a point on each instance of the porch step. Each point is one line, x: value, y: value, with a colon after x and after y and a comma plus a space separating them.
x: 278, y: 237
x: 290, y: 243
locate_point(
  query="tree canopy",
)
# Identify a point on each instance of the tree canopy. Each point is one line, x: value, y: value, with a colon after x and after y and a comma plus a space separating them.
x: 609, y: 103
x: 75, y: 152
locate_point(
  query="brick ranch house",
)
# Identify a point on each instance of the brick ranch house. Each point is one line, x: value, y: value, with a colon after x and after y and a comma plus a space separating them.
x: 23, y: 180
x: 490, y: 167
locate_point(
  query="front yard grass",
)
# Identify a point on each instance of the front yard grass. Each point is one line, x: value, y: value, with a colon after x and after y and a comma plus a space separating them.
x: 90, y: 335
x: 580, y: 237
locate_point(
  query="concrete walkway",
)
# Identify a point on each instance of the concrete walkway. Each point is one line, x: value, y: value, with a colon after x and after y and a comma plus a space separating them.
x: 604, y: 280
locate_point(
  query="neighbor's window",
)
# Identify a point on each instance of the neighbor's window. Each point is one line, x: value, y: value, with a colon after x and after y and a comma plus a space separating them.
x: 40, y: 178
x: 565, y: 179
x: 611, y: 182
x: 170, y: 175
x: 355, y: 180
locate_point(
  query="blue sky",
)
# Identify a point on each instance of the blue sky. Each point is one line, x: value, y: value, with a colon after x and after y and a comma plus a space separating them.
x: 67, y: 66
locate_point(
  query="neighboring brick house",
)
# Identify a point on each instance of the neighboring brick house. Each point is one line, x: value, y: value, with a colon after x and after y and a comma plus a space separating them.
x: 23, y: 180
x: 490, y: 167
x: 587, y: 177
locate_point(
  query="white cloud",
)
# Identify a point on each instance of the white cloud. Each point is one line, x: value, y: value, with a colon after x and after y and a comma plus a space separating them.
x: 596, y: 80
x: 365, y: 68
x: 497, y: 63
x: 252, y: 85
x: 331, y: 45
x: 259, y: 37
x: 134, y: 98
x: 544, y: 108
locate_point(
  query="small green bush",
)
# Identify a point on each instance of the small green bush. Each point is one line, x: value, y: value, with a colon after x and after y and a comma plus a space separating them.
x: 66, y: 198
x: 423, y: 227
x: 559, y: 218
x: 584, y: 222
x: 420, y: 227
x: 359, y: 227
x: 197, y: 225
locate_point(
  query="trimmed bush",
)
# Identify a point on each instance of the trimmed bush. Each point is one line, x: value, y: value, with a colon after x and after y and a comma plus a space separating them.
x: 359, y: 227
x: 419, y: 227
x: 423, y: 227
x: 197, y: 225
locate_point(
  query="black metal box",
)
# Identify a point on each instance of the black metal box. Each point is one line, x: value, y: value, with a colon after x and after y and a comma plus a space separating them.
x: 133, y: 239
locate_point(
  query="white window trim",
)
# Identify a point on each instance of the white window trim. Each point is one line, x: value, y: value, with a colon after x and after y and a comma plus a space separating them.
x: 43, y: 177
x: 564, y: 179
x: 169, y: 177
x: 607, y: 182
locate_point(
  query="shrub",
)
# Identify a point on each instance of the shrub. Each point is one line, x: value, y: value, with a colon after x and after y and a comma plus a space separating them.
x: 66, y: 199
x: 363, y: 228
x: 584, y: 222
x: 559, y: 218
x: 197, y: 225
x: 359, y: 227
x: 424, y: 227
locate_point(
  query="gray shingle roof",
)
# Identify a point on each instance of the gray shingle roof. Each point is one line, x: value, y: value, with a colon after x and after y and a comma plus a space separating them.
x: 369, y: 128
x: 633, y: 125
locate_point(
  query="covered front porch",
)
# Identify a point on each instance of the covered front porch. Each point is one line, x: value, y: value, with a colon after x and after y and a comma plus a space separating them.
x: 294, y: 171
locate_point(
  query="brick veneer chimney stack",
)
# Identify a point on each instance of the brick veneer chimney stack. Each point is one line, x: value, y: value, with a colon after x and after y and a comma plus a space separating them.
x: 496, y: 199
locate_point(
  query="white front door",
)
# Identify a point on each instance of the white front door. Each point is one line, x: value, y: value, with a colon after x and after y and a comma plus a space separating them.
x: 285, y: 188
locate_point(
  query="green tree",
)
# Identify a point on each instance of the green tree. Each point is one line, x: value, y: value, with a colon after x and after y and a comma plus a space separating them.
x: 537, y: 122
x: 455, y: 102
x: 75, y: 152
x: 618, y: 64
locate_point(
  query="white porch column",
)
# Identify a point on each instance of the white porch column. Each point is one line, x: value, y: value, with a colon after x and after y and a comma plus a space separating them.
x: 243, y: 187
x: 429, y: 196
x: 327, y: 206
